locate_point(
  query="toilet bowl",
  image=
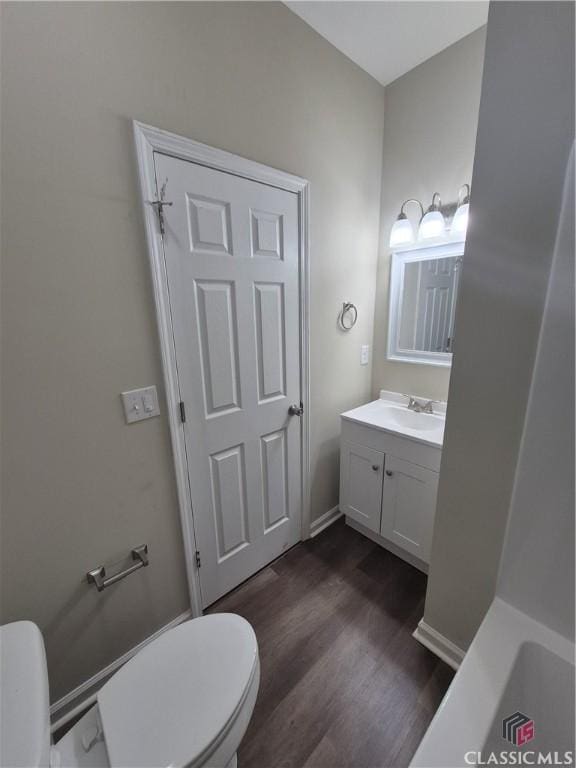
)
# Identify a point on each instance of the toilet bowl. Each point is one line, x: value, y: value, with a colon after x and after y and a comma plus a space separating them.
x: 184, y: 700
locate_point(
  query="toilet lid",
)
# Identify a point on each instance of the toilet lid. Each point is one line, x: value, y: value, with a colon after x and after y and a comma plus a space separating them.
x: 172, y: 701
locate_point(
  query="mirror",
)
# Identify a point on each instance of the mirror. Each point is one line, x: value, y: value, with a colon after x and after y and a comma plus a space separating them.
x: 423, y: 292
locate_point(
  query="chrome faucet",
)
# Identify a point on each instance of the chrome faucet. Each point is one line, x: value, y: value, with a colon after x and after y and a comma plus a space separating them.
x: 420, y: 407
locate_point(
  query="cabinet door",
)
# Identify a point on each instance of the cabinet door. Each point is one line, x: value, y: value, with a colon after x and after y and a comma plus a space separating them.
x: 408, y: 506
x: 361, y: 484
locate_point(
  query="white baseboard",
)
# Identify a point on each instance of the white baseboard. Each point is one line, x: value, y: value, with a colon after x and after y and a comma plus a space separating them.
x: 438, y: 644
x: 84, y: 695
x: 324, y: 521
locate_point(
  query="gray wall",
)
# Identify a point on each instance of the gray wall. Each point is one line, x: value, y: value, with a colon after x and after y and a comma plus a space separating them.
x: 429, y: 138
x: 537, y: 567
x: 79, y: 487
x: 525, y: 131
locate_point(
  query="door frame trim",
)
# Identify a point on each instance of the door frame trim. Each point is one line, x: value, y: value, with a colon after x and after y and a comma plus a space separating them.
x: 148, y: 140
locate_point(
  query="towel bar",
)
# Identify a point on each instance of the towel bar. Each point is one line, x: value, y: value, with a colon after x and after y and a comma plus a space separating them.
x: 98, y: 575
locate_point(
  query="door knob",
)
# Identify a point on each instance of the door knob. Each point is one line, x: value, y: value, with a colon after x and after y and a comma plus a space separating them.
x: 296, y: 410
x: 375, y: 467
x: 389, y: 472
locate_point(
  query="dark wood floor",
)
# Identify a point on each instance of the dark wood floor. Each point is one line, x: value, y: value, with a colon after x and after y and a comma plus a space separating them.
x: 343, y: 683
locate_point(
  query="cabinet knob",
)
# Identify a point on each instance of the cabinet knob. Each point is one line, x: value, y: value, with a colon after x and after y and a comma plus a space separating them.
x: 375, y: 467
x: 389, y: 472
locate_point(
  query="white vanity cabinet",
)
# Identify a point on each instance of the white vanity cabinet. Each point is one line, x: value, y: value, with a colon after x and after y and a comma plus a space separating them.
x: 408, y: 506
x: 388, y: 484
x: 361, y: 471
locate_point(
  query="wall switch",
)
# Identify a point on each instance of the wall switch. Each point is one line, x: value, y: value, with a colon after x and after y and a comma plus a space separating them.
x: 364, y: 354
x: 140, y: 404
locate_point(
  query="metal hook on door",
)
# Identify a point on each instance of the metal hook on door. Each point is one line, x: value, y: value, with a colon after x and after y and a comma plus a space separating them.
x: 159, y: 205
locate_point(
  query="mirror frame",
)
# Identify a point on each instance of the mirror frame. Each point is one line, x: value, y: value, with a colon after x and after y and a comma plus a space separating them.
x: 400, y: 257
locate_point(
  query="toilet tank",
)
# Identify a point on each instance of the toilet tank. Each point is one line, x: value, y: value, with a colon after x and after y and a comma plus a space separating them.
x: 24, y: 699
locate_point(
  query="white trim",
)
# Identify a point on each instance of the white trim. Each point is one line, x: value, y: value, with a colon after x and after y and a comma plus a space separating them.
x: 431, y: 243
x: 443, y: 648
x: 145, y: 156
x: 147, y: 141
x: 401, y: 257
x: 184, y: 148
x: 77, y: 696
x: 325, y: 520
x: 304, y: 215
x: 424, y: 360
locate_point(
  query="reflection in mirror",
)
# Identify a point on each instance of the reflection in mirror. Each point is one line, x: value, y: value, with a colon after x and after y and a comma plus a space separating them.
x: 428, y: 304
x: 423, y: 292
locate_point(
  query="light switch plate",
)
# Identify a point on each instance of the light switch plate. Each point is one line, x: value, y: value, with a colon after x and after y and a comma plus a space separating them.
x: 140, y: 404
x: 364, y: 354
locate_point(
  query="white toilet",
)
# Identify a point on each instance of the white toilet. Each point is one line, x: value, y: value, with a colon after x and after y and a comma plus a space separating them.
x: 184, y: 700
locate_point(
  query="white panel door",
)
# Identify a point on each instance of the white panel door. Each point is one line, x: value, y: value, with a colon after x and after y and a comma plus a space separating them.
x: 434, y: 304
x: 232, y: 263
x: 409, y: 506
x: 361, y: 484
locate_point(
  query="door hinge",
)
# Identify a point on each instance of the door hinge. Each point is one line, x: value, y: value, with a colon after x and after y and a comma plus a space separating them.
x: 198, y: 560
x: 182, y: 411
x: 159, y: 206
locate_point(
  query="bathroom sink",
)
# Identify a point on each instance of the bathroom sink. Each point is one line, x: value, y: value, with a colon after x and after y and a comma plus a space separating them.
x: 417, y: 421
x: 391, y: 414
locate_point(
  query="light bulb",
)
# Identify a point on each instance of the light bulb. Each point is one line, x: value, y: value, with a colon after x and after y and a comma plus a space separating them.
x: 402, y: 232
x: 460, y: 222
x: 432, y: 225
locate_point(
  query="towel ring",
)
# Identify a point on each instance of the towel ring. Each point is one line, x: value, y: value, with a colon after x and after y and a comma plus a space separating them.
x: 347, y: 307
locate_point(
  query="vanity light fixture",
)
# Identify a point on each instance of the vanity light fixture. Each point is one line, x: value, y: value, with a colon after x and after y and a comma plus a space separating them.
x: 402, y: 232
x: 460, y: 220
x: 433, y: 224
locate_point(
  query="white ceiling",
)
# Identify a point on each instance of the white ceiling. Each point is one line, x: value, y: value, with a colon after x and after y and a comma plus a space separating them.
x: 387, y: 39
